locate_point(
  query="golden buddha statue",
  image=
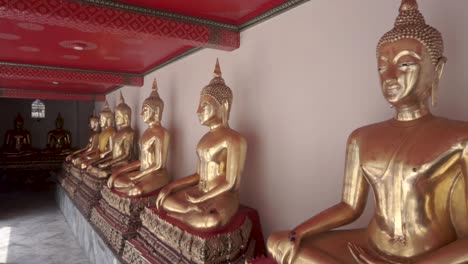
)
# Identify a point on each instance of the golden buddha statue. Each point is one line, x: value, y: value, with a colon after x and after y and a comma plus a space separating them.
x: 17, y: 140
x: 415, y: 163
x: 105, y: 146
x: 93, y: 140
x: 122, y: 144
x: 59, y: 139
x: 210, y: 197
x: 149, y: 173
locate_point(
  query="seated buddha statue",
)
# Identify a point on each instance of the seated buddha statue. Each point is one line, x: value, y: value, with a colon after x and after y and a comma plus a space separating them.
x: 93, y: 140
x: 17, y: 141
x: 415, y: 163
x: 58, y: 139
x: 105, y: 146
x: 122, y: 144
x: 149, y: 173
x: 207, y: 199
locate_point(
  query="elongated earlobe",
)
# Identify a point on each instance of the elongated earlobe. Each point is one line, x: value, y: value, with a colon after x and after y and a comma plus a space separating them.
x: 439, y: 70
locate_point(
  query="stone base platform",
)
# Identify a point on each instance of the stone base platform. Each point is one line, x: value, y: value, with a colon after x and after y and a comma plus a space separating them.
x: 89, y: 193
x: 117, y: 217
x: 165, y: 240
x: 95, y: 248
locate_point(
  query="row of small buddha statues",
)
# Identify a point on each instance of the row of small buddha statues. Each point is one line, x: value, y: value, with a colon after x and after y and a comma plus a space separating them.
x: 17, y: 141
x: 416, y: 164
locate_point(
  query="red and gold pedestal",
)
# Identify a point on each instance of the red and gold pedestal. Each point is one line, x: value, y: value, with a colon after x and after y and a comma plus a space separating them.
x: 117, y: 217
x: 164, y: 240
x: 72, y: 181
x: 88, y: 193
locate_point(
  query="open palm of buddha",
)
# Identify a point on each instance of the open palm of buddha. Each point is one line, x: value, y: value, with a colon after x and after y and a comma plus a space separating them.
x: 209, y: 198
x: 416, y: 165
x: 149, y: 172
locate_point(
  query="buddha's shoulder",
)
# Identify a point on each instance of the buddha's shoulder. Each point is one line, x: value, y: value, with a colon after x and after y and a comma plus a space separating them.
x: 231, y: 135
x: 368, y: 129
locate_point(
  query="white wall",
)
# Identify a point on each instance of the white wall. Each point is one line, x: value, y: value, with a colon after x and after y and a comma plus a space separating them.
x: 302, y: 82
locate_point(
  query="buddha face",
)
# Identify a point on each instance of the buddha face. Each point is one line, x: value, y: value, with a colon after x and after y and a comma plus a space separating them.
x: 104, y: 120
x: 93, y: 124
x: 148, y: 114
x: 406, y: 72
x: 119, y: 118
x: 209, y: 111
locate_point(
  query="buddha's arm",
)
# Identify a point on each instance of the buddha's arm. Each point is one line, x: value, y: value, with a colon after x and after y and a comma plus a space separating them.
x: 235, y: 161
x: 110, y: 143
x: 354, y: 198
x: 127, y: 146
x: 160, y: 152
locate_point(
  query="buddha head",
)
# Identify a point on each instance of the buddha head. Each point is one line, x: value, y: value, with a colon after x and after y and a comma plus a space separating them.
x: 106, y: 117
x: 215, y: 101
x: 18, y: 122
x: 93, y: 122
x: 123, y: 113
x: 410, y: 59
x: 59, y: 121
x: 153, y: 106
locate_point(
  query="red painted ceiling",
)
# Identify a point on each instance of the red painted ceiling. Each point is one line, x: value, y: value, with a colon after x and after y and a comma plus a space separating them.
x: 227, y: 11
x: 78, y: 47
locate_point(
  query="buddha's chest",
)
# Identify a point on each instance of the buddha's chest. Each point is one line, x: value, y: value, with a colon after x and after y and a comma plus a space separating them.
x: 407, y: 160
x: 211, y: 149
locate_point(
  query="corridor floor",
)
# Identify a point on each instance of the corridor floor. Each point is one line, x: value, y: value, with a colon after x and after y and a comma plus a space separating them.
x: 33, y: 230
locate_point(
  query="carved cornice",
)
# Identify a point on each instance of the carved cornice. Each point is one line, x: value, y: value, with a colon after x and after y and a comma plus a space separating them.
x: 15, y: 71
x: 160, y: 13
x: 271, y: 13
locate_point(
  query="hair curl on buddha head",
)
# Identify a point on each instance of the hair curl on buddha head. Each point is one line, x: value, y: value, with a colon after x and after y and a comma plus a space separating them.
x: 154, y: 101
x: 123, y: 108
x: 410, y: 24
x: 218, y: 90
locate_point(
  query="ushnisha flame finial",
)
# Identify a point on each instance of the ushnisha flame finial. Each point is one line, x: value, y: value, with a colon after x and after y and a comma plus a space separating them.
x: 217, y: 88
x: 122, y: 100
x: 217, y: 71
x: 154, y: 101
x: 106, y: 105
x: 410, y: 23
x: 407, y: 5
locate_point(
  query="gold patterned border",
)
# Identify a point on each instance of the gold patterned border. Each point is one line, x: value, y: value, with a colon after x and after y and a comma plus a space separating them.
x: 221, y: 247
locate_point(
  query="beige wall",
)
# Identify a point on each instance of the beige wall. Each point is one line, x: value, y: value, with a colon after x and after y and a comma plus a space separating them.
x: 302, y: 82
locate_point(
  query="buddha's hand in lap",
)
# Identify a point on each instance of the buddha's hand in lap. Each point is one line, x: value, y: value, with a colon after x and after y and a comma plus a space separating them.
x: 362, y: 256
x: 192, y: 199
x: 110, y: 182
x: 162, y: 196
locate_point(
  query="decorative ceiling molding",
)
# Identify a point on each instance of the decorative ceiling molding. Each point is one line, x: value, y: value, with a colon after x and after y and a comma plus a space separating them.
x: 271, y: 13
x: 99, y: 18
x: 160, y: 13
x: 15, y: 71
x: 26, y: 94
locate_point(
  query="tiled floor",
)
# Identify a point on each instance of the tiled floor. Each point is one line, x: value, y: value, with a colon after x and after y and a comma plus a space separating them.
x: 33, y: 230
